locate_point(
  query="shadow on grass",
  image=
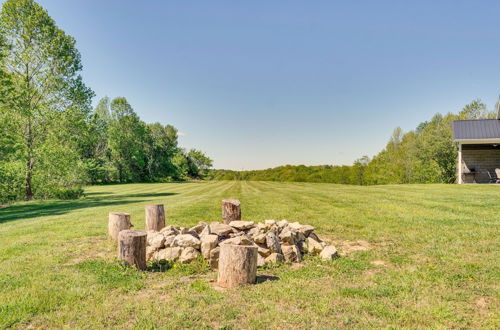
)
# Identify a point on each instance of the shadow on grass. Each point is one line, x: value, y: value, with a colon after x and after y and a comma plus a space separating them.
x: 265, y: 278
x: 98, y: 193
x: 148, y: 195
x: 57, y: 207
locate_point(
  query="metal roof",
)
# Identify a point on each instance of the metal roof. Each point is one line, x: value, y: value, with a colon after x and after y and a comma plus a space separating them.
x: 476, y: 129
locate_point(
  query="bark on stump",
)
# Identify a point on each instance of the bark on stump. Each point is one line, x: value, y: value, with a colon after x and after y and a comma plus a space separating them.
x: 117, y: 222
x: 132, y: 248
x: 237, y: 265
x: 155, y: 217
x: 230, y: 210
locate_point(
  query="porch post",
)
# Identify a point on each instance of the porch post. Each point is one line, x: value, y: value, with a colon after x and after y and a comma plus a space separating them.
x: 460, y: 163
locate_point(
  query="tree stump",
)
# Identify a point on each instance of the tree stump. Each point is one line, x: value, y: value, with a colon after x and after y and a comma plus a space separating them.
x: 155, y: 217
x: 230, y: 210
x: 237, y: 265
x: 132, y: 248
x: 117, y: 222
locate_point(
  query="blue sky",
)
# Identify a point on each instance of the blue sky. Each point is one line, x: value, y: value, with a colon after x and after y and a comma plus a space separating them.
x: 258, y: 84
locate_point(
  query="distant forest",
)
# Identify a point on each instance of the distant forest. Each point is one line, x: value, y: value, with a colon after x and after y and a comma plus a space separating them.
x: 426, y: 154
x: 51, y: 140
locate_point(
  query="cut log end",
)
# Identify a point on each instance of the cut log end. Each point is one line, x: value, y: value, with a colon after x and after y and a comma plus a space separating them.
x: 155, y: 217
x: 132, y: 248
x: 231, y: 210
x: 237, y: 265
x: 117, y: 222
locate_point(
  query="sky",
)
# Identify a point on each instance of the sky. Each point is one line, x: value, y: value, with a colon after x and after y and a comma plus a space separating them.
x: 258, y: 84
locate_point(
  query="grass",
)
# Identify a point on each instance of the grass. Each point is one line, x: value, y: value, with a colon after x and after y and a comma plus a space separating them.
x: 433, y: 260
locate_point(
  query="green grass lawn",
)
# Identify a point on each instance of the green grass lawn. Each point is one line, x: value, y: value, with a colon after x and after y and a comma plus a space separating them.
x: 433, y: 259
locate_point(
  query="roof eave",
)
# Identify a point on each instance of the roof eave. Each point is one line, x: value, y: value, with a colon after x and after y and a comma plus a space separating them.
x: 478, y: 141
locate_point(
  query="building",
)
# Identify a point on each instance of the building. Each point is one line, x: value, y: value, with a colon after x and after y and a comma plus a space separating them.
x: 478, y: 150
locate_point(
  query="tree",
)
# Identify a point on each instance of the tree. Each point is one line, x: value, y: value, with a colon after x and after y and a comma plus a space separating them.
x: 475, y: 110
x: 162, y: 146
x: 199, y: 163
x: 42, y: 63
x: 127, y: 142
x: 96, y: 149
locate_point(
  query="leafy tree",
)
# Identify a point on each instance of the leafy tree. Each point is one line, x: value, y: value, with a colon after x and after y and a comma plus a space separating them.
x: 475, y: 110
x: 199, y: 163
x: 181, y: 163
x: 96, y: 151
x: 162, y: 147
x: 42, y: 64
x: 126, y: 139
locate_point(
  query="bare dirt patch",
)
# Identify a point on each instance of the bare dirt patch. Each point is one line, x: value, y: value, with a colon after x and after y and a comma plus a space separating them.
x: 90, y: 248
x: 482, y: 305
x: 348, y: 247
x: 379, y: 263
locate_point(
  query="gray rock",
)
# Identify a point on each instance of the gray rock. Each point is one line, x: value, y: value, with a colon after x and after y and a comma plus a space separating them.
x: 275, y: 257
x: 186, y: 240
x: 299, y: 237
x: 208, y: 242
x: 262, y: 227
x: 291, y: 253
x: 237, y: 233
x: 273, y: 242
x: 170, y: 254
x: 282, y: 223
x: 261, y: 238
x: 302, y: 246
x: 198, y: 228
x: 329, y: 253
x: 287, y: 236
x: 263, y: 250
x: 169, y: 240
x: 238, y: 240
x: 261, y: 261
x: 205, y: 231
x: 220, y: 229
x: 214, y: 258
x: 183, y: 231
x: 150, y: 251
x: 269, y: 222
x: 188, y: 254
x: 169, y: 230
x: 241, y: 225
x: 314, y: 236
x: 155, y: 239
x: 295, y: 226
x: 313, y: 246
x: 253, y: 232
x: 306, y: 230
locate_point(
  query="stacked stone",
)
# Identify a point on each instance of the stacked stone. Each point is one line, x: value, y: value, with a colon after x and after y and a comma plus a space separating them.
x: 277, y: 241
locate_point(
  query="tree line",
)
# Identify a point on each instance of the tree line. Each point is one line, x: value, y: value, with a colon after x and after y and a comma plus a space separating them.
x: 51, y: 139
x: 426, y: 154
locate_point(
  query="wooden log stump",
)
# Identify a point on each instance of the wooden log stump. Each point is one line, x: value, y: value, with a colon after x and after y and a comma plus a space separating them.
x: 117, y: 222
x: 230, y: 210
x: 155, y: 217
x: 237, y: 265
x: 132, y: 248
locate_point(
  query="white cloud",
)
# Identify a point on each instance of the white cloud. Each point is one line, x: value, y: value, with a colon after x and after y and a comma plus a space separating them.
x: 181, y: 134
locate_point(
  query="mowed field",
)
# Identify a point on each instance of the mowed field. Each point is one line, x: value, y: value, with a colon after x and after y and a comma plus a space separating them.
x: 414, y: 256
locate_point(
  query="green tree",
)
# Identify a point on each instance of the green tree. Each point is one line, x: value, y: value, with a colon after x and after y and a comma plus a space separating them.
x: 96, y: 150
x: 162, y: 147
x: 127, y: 142
x: 199, y: 163
x: 475, y: 110
x: 42, y: 63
